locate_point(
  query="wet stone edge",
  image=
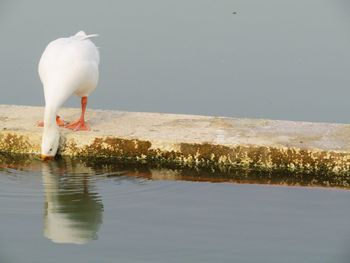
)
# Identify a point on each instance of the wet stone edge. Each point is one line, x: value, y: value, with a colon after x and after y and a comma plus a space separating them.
x: 331, y: 168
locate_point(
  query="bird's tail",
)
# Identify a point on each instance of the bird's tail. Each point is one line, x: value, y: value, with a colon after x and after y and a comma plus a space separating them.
x: 82, y: 36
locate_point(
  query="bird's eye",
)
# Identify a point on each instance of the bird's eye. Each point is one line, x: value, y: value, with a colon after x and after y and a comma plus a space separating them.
x: 50, y: 150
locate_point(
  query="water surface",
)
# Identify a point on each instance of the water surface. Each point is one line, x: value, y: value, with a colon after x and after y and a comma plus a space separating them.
x: 76, y: 211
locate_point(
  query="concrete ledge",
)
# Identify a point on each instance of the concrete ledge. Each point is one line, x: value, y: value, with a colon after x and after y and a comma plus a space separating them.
x: 187, y: 140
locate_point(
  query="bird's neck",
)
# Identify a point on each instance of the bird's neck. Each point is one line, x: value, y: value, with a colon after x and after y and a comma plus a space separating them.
x: 50, y: 117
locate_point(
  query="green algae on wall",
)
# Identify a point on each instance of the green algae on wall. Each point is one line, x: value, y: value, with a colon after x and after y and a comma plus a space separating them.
x: 14, y: 143
x: 191, y: 155
x: 208, y: 155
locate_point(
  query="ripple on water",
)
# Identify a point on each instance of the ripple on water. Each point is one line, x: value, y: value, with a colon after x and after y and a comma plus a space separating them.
x: 19, y: 187
x: 148, y: 209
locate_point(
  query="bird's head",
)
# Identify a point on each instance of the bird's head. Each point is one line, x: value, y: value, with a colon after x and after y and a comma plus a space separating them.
x: 50, y: 142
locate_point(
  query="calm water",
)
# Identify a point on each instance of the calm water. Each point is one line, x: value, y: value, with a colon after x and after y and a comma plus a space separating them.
x: 77, y: 211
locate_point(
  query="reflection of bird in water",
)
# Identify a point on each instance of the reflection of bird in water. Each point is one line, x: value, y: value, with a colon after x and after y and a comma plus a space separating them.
x: 73, y: 213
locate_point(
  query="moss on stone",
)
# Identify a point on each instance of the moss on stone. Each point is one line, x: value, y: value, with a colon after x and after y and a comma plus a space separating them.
x: 14, y: 143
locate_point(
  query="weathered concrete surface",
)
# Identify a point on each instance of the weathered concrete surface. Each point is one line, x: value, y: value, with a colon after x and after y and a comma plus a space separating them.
x: 187, y: 140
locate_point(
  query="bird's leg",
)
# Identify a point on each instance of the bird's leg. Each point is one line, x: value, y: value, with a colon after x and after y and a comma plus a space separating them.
x: 60, y: 122
x: 80, y: 124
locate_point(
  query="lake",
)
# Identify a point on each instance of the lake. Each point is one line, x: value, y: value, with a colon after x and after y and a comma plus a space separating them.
x: 257, y: 59
x: 84, y: 211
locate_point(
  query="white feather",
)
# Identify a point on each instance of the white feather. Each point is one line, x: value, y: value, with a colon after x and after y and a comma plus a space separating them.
x: 67, y: 66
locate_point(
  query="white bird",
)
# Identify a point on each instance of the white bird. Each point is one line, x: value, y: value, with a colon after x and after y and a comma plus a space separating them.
x: 67, y: 66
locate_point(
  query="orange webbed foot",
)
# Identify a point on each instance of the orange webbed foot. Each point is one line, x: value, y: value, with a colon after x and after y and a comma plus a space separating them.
x: 60, y: 122
x: 78, y: 125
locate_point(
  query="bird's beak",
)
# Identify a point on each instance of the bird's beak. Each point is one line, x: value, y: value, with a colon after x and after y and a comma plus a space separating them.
x: 47, y: 157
